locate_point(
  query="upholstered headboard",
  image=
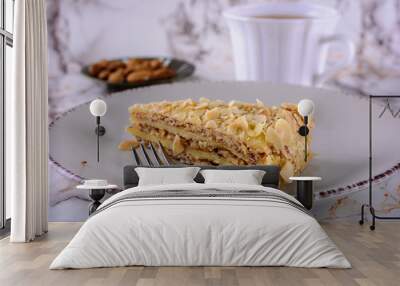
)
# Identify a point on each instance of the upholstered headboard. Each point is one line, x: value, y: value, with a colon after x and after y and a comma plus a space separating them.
x: 271, y: 177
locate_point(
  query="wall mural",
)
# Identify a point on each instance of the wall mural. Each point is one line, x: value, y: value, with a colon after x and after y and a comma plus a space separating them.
x: 82, y: 32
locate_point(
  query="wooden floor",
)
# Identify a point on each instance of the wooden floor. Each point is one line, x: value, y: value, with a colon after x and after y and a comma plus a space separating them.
x: 375, y: 257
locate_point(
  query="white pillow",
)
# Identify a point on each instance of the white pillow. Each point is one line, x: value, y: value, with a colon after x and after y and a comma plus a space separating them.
x: 248, y: 177
x: 164, y: 176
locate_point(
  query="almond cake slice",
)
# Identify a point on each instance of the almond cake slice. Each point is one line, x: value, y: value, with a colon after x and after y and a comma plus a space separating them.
x: 219, y: 133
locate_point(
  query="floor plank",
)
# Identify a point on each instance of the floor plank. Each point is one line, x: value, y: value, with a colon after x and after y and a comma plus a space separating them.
x: 375, y: 257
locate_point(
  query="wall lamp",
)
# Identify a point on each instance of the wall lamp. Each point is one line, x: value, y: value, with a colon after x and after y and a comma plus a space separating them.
x: 98, y: 108
x: 305, y: 107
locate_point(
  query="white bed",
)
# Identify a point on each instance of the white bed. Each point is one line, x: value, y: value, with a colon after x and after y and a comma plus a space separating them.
x: 184, y: 230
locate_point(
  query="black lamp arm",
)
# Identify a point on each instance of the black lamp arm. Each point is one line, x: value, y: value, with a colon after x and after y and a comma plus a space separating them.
x: 100, y: 131
x: 303, y: 131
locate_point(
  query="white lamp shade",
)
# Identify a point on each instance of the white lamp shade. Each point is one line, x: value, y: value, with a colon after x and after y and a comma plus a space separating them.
x: 98, y: 107
x: 305, y: 107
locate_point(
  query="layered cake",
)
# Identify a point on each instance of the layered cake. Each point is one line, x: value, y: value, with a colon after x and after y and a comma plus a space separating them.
x: 220, y: 133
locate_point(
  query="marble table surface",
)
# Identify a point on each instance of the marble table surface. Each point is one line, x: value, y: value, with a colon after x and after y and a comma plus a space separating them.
x: 193, y: 30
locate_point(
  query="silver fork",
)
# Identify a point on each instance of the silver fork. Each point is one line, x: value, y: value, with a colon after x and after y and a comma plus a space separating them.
x: 148, y: 155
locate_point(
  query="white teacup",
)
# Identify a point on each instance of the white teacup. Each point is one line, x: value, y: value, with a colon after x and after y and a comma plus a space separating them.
x: 285, y: 42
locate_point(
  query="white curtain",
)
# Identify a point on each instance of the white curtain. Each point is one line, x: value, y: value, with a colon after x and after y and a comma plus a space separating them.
x: 27, y: 124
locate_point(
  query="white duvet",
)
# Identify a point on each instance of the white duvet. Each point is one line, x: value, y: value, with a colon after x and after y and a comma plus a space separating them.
x: 193, y: 231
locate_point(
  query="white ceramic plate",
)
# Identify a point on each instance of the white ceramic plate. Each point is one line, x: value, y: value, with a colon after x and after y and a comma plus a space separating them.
x: 340, y: 139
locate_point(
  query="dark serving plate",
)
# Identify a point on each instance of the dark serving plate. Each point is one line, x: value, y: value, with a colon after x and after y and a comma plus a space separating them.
x: 182, y: 68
